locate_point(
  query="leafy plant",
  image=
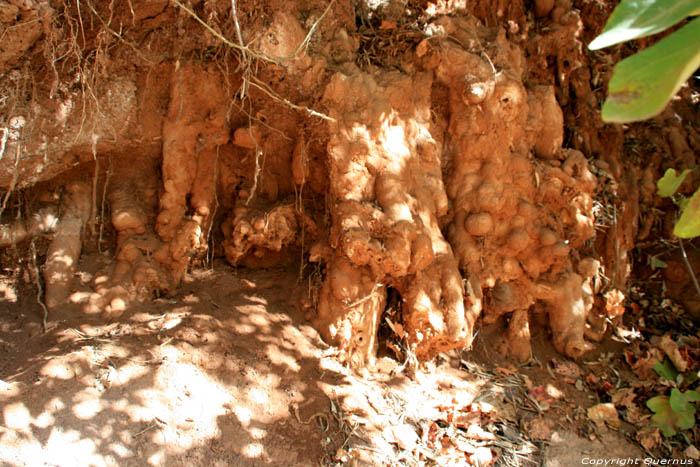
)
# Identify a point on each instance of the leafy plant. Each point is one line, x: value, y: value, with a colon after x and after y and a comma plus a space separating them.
x: 674, y: 412
x: 670, y: 182
x: 666, y: 370
x: 688, y: 224
x: 643, y: 83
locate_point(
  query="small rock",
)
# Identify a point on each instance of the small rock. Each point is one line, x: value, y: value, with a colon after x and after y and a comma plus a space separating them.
x: 538, y: 429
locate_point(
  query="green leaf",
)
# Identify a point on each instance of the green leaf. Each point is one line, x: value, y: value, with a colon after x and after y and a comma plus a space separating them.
x: 642, y: 84
x: 677, y: 401
x: 667, y: 419
x: 663, y: 416
x: 658, y: 403
x: 632, y: 19
x: 686, y: 419
x: 669, y: 183
x: 688, y: 226
x: 683, y: 203
x: 656, y: 263
x: 666, y: 370
x: 692, y: 396
x: 666, y: 428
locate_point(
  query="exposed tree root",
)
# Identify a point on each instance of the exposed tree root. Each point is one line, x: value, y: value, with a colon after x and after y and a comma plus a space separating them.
x: 64, y: 251
x: 196, y: 124
x: 516, y: 218
x: 258, y: 232
x: 444, y: 184
x: 135, y: 273
x: 387, y: 195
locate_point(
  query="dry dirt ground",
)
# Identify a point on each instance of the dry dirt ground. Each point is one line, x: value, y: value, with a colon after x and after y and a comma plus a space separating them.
x: 228, y: 373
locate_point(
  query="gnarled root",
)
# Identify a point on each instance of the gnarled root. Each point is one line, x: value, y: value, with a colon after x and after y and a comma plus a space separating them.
x: 567, y: 312
x: 254, y: 231
x: 349, y: 309
x: 387, y: 196
x: 434, y: 313
x: 515, y: 219
x: 135, y: 273
x: 64, y: 252
x: 194, y: 128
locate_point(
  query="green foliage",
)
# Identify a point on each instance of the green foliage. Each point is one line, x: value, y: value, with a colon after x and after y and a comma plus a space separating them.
x: 643, y: 83
x: 675, y: 412
x: 633, y: 19
x: 670, y: 182
x: 666, y: 370
x: 688, y: 226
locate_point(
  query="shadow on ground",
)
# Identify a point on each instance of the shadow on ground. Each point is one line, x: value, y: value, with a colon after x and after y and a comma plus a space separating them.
x: 229, y: 372
x: 224, y: 374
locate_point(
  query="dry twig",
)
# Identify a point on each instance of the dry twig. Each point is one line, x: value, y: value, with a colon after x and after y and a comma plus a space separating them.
x: 325, y: 424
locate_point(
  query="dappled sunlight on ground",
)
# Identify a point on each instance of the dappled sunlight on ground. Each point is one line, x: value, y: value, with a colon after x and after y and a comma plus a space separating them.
x: 229, y: 372
x: 204, y: 378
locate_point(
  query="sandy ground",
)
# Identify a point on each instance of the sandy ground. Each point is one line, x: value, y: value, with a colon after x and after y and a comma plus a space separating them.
x: 229, y: 373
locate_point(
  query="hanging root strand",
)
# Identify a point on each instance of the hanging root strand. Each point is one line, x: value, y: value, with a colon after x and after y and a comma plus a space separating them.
x: 15, y: 175
x: 102, y: 209
x: 39, y: 290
